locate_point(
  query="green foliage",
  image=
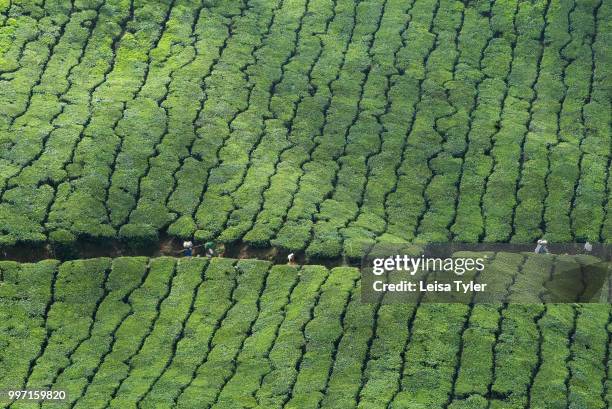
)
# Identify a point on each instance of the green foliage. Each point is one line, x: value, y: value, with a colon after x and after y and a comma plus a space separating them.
x: 323, y: 127
x: 138, y: 235
x: 242, y: 333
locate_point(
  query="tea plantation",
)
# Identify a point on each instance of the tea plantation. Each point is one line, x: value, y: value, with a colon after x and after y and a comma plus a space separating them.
x: 192, y: 333
x: 322, y: 126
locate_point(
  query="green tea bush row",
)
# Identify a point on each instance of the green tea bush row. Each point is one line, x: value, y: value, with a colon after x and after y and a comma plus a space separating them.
x: 130, y: 336
x: 371, y: 217
x: 586, y: 369
x: 368, y: 193
x: 226, y: 116
x: 147, y: 366
x: 211, y: 303
x: 382, y: 370
x: 419, y: 41
x: 226, y: 344
x: 454, y: 122
x: 138, y: 332
x: 172, y: 176
x: 37, y: 182
x: 91, y: 167
x: 25, y: 199
x: 542, y: 144
x: 254, y: 132
x: 18, y: 27
x: 342, y: 110
x: 507, y: 150
x: 288, y: 91
x: 145, y: 121
x: 477, y: 163
x: 290, y: 340
x: 476, y: 363
x: 593, y: 185
x: 594, y: 112
x: 78, y: 291
x: 345, y: 380
x: 325, y: 55
x: 253, y: 362
x: 26, y: 293
x: 323, y: 333
x: 124, y: 278
x: 26, y: 72
x: 362, y: 138
x: 318, y: 126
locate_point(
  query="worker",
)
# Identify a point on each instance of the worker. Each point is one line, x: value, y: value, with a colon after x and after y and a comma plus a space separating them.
x: 291, y: 259
x: 187, y: 248
x: 541, y: 248
x: 209, y: 247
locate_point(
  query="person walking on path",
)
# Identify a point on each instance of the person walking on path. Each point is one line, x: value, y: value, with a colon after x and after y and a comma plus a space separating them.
x: 188, y: 248
x: 209, y: 248
x: 541, y: 248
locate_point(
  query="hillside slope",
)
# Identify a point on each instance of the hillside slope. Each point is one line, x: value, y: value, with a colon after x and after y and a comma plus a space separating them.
x: 314, y: 125
x: 194, y: 333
